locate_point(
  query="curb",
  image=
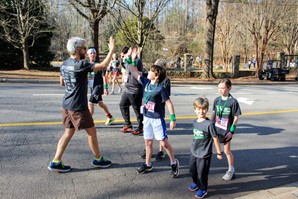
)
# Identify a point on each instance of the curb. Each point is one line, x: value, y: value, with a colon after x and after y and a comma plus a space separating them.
x: 30, y: 81
x: 177, y: 82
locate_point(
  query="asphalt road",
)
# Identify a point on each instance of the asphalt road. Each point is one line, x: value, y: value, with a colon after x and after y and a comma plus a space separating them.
x: 265, y: 146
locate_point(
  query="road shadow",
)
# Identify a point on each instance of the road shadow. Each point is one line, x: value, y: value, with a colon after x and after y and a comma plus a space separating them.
x: 185, y: 128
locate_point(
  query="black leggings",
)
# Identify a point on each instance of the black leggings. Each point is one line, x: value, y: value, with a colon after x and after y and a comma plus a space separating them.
x: 134, y: 100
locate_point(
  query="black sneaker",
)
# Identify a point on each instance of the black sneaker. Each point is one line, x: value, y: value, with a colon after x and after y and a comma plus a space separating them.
x: 58, y: 167
x: 101, y: 163
x: 144, y: 168
x: 175, y: 169
x: 143, y: 155
x: 160, y: 155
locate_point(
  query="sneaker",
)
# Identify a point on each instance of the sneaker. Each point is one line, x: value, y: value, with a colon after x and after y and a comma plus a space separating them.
x: 143, y: 155
x: 126, y: 129
x: 58, y: 167
x: 229, y: 175
x: 109, y: 121
x: 193, y: 187
x: 201, y: 193
x: 137, y: 132
x: 112, y: 93
x: 120, y: 90
x: 144, y: 168
x: 101, y: 163
x: 175, y: 169
x: 160, y: 155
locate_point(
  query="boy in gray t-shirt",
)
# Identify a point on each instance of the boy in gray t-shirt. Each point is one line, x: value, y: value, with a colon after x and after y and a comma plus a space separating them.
x: 204, y: 133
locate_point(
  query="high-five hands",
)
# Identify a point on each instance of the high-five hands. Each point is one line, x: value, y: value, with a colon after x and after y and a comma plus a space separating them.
x: 132, y: 53
x: 111, y: 43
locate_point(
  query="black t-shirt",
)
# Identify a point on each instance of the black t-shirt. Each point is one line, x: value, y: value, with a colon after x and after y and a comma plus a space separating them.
x: 202, y: 138
x: 75, y: 74
x: 154, y: 97
x: 224, y: 112
x: 95, y: 82
x: 167, y: 84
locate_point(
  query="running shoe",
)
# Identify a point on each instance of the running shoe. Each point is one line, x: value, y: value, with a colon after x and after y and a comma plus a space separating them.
x: 126, y: 129
x: 193, y: 187
x: 201, y: 193
x: 58, y: 167
x: 143, y: 155
x: 137, y: 132
x: 175, y: 169
x: 229, y: 175
x: 109, y: 121
x: 101, y: 163
x: 144, y: 168
x: 160, y: 155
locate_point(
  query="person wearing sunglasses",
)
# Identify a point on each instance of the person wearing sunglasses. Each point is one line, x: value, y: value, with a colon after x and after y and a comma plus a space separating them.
x: 75, y: 112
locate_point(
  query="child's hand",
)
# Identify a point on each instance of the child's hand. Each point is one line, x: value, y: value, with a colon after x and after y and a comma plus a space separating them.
x: 106, y: 92
x: 172, y: 125
x: 134, y: 54
x: 228, y: 137
x: 111, y: 43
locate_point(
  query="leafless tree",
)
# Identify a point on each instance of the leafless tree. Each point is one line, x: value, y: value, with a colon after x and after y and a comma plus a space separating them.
x: 289, y: 30
x: 98, y: 9
x: 144, y: 25
x: 22, y: 24
x: 226, y: 27
x: 264, y: 20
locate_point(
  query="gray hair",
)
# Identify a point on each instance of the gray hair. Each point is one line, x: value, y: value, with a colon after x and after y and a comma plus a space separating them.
x: 161, y: 63
x: 73, y: 43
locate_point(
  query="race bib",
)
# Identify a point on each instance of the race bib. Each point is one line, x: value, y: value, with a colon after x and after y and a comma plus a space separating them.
x: 150, y: 106
x: 221, y: 123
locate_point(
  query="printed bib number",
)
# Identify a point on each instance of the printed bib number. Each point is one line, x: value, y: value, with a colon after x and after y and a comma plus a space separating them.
x: 221, y: 123
x: 150, y: 106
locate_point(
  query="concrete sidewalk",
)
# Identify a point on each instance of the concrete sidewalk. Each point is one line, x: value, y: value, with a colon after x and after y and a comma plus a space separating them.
x: 289, y: 191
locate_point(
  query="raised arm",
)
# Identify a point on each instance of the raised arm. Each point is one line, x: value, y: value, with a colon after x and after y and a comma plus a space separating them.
x: 130, y: 58
x: 105, y: 63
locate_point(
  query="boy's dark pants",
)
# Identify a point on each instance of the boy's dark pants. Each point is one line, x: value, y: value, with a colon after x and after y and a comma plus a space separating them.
x: 199, y: 170
x: 134, y: 100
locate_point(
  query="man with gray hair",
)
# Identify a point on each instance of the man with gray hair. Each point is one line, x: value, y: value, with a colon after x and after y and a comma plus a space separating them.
x: 75, y: 113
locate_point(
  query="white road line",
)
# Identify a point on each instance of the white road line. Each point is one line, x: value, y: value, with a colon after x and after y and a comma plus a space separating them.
x: 245, y: 100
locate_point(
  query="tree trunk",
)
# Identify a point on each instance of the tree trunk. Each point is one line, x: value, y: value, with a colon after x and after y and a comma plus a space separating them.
x: 25, y: 55
x: 211, y: 10
x: 94, y: 36
x: 258, y: 64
